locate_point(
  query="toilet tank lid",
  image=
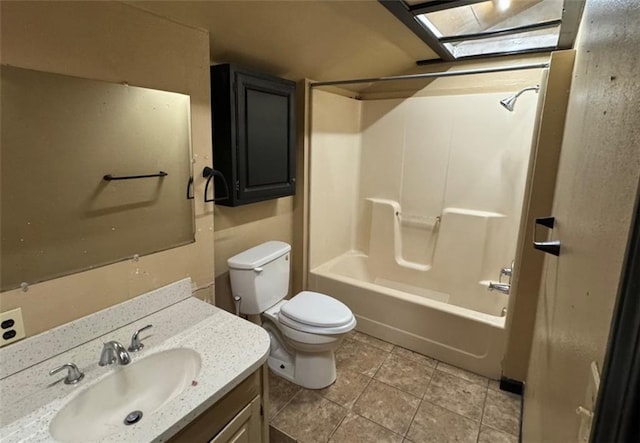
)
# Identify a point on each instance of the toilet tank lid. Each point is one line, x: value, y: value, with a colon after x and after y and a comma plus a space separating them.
x: 259, y: 255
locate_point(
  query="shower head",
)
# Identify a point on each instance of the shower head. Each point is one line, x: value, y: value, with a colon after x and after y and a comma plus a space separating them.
x: 510, y: 102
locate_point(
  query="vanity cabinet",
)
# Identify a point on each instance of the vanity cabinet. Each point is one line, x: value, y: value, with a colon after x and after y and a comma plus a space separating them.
x: 244, y: 428
x: 254, y: 135
x: 239, y: 417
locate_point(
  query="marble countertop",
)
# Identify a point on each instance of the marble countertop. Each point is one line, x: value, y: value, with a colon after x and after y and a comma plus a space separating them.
x: 230, y: 348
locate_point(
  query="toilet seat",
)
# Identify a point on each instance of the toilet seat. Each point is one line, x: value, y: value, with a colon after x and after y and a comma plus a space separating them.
x: 316, y: 313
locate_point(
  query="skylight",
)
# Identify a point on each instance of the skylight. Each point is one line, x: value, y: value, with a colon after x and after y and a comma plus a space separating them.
x: 458, y: 29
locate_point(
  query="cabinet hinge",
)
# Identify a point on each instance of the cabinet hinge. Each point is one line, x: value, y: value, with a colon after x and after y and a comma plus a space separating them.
x: 237, y: 185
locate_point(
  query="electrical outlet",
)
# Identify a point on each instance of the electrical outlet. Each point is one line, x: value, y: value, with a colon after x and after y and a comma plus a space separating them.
x: 12, y: 326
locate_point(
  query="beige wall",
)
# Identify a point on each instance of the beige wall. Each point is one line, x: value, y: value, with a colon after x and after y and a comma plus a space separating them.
x: 334, y: 176
x: 300, y: 247
x: 596, y: 189
x: 538, y: 203
x: 115, y: 42
x: 243, y: 227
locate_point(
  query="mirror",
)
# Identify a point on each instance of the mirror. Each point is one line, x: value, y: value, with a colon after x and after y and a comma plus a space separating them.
x: 60, y: 137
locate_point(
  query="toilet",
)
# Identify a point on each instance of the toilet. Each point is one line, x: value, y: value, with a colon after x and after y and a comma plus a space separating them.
x: 305, y: 330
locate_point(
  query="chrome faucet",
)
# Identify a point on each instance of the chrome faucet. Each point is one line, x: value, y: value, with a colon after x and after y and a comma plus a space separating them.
x: 500, y: 287
x: 73, y: 373
x: 113, y: 351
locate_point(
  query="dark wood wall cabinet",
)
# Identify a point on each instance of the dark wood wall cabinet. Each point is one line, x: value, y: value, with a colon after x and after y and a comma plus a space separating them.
x: 254, y: 135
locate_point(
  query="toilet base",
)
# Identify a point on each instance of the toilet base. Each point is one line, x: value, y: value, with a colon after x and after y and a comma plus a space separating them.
x: 310, y: 370
x: 310, y: 365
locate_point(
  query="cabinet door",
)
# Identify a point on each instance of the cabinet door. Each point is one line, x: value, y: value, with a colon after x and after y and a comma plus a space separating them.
x: 244, y: 428
x: 265, y: 136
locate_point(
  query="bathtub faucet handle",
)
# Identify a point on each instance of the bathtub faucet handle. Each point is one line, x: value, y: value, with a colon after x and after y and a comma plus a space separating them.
x: 507, y: 271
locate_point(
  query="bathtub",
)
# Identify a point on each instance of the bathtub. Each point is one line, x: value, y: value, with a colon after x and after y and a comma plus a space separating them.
x: 463, y: 325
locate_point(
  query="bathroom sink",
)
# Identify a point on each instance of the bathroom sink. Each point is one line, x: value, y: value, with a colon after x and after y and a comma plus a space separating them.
x: 143, y: 386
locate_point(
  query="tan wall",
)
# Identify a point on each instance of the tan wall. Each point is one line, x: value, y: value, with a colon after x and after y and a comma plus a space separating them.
x: 115, y: 42
x: 300, y: 246
x: 596, y: 189
x: 243, y: 227
x: 335, y: 174
x: 538, y: 203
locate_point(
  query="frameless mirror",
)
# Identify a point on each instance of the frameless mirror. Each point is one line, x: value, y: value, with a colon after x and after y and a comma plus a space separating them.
x: 92, y: 173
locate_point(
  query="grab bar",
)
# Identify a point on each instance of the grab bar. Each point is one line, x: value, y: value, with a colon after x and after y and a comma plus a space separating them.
x: 417, y: 221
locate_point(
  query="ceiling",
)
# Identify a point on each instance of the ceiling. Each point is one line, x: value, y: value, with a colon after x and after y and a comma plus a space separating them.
x: 320, y: 40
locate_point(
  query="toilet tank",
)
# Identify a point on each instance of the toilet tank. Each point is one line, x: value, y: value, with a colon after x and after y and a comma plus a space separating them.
x: 260, y: 276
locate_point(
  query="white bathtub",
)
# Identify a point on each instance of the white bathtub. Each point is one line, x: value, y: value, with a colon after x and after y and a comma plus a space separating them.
x: 463, y: 327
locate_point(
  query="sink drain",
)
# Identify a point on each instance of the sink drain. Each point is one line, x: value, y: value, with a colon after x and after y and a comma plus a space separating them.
x: 133, y: 418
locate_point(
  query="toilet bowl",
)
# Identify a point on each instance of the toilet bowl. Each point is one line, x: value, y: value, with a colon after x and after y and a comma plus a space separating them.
x: 305, y: 330
x: 309, y: 360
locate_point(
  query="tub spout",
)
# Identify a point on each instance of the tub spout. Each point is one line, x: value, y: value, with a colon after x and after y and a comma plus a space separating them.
x: 500, y: 287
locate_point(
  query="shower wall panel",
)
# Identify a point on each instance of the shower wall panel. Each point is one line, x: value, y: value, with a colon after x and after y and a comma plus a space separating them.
x: 335, y: 175
x: 433, y: 153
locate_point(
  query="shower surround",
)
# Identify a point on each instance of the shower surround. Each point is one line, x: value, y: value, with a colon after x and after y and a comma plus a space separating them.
x: 415, y: 206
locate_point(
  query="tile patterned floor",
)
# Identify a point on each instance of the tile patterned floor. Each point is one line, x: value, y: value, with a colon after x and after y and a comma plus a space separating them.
x: 385, y: 393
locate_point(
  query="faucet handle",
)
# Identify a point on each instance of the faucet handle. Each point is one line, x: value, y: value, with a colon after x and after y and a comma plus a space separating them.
x: 73, y: 373
x: 506, y: 271
x: 136, y: 345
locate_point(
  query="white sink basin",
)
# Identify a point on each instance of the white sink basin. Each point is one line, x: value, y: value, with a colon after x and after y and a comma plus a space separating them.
x: 145, y: 385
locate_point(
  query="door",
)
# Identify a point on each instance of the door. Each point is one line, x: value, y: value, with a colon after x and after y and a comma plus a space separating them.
x: 596, y: 189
